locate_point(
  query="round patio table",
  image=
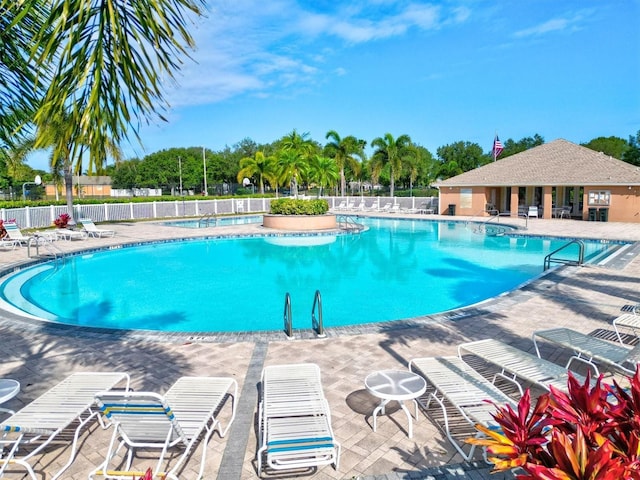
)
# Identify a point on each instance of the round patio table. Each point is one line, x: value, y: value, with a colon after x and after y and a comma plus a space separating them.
x: 395, y: 385
x: 8, y: 389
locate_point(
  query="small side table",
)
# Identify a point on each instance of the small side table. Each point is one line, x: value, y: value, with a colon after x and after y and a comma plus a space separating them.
x: 8, y: 389
x: 395, y: 385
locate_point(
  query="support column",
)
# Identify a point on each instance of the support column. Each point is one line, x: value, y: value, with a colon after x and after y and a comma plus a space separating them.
x: 547, y: 201
x: 514, y: 201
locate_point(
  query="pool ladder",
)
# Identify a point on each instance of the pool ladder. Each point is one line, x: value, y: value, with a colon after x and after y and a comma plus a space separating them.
x: 566, y: 261
x: 51, y: 250
x: 316, y: 321
x: 207, y: 219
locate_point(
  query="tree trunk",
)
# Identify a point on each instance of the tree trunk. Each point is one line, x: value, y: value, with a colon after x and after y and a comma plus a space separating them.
x: 342, y: 182
x: 68, y: 185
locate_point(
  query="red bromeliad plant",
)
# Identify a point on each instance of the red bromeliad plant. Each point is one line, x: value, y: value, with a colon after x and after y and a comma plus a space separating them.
x: 588, y: 433
x: 148, y: 475
x: 62, y: 220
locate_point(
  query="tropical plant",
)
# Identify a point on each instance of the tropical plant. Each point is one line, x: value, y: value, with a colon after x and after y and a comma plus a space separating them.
x: 103, y: 64
x: 296, y: 206
x: 62, y: 220
x: 344, y: 151
x: 392, y: 152
x: 258, y: 165
x: 588, y: 433
x: 294, y: 157
x: 323, y: 171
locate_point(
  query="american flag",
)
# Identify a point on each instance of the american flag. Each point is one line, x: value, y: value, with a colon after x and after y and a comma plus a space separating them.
x: 497, y: 147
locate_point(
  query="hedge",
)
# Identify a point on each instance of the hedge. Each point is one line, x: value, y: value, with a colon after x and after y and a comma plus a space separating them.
x: 292, y: 206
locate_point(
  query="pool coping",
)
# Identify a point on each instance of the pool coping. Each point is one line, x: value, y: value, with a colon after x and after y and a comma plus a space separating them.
x: 16, y: 321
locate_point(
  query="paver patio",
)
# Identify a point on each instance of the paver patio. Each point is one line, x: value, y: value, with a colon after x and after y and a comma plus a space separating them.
x: 585, y: 298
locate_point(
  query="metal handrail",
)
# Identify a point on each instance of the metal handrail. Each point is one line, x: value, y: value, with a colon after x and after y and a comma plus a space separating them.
x: 288, y: 319
x: 567, y: 261
x: 208, y: 217
x: 347, y: 222
x: 37, y: 241
x: 316, y: 323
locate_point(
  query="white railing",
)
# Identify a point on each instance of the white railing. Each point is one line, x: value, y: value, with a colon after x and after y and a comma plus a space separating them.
x: 41, y: 217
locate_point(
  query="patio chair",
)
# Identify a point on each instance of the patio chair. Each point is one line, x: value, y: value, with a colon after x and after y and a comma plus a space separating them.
x: 294, y: 419
x: 627, y: 320
x: 515, y: 363
x: 386, y: 208
x: 533, y: 211
x: 68, y: 234
x: 68, y: 403
x: 453, y: 381
x: 15, y: 235
x: 591, y: 350
x: 93, y: 231
x: 146, y: 420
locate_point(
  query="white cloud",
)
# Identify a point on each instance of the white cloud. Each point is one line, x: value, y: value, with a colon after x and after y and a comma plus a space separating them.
x: 256, y: 47
x: 569, y: 23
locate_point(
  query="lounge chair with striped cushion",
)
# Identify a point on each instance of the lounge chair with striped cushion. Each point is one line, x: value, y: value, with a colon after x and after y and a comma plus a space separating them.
x: 69, y: 403
x: 295, y: 420
x: 148, y: 421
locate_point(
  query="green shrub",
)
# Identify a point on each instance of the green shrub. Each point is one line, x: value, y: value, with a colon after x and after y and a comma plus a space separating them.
x: 292, y: 206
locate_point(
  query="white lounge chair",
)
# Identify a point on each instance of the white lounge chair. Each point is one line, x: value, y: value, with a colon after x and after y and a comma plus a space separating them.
x: 533, y: 211
x: 386, y: 208
x: 515, y: 363
x: 627, y: 320
x: 146, y: 420
x: 94, y: 231
x: 68, y: 403
x: 452, y: 380
x: 15, y: 235
x: 68, y: 234
x: 591, y: 350
x: 294, y: 419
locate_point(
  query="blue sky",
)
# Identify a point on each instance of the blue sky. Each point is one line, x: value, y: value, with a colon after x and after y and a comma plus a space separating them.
x: 440, y: 72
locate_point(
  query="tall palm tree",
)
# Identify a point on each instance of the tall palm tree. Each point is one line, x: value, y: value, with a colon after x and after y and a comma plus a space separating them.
x: 294, y: 157
x: 292, y: 167
x: 56, y: 135
x: 344, y: 150
x: 103, y: 63
x: 392, y: 152
x: 323, y: 171
x: 257, y: 165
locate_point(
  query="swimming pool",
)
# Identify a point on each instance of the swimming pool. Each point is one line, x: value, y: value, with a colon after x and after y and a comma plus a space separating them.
x: 396, y: 269
x: 213, y: 221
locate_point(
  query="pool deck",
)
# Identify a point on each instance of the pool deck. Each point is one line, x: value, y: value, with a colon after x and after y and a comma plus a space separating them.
x: 585, y: 298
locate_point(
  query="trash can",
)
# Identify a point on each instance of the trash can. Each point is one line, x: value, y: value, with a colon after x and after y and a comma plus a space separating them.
x: 603, y: 214
x: 452, y: 209
x: 592, y: 214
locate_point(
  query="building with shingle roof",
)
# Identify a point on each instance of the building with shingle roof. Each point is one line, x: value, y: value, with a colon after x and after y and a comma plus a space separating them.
x: 560, y: 178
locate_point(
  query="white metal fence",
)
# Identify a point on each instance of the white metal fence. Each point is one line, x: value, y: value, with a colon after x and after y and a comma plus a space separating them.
x: 39, y: 217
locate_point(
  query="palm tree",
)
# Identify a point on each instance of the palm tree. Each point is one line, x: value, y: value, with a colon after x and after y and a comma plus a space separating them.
x: 392, y: 152
x: 324, y: 171
x: 296, y: 150
x: 55, y: 134
x: 343, y: 151
x: 103, y: 67
x: 292, y: 166
x: 257, y: 165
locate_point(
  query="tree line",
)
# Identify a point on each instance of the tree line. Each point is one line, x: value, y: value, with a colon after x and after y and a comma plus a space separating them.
x: 339, y: 164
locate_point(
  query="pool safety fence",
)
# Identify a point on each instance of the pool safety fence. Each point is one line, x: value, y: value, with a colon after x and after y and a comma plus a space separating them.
x: 42, y: 217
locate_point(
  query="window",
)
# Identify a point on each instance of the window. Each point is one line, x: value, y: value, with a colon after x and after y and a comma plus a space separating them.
x: 466, y: 197
x: 599, y: 198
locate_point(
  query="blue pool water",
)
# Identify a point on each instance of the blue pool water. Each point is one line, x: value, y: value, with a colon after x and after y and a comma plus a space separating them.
x: 215, y: 221
x: 396, y: 269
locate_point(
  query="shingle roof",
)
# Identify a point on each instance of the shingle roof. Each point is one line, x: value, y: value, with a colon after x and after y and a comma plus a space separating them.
x: 555, y: 163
